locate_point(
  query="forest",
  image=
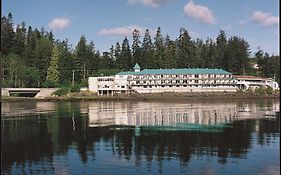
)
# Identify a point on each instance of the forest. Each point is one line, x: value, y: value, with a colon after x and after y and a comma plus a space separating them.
x: 32, y: 57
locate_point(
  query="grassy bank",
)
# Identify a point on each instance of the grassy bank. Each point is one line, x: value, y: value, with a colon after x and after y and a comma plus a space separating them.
x: 88, y: 96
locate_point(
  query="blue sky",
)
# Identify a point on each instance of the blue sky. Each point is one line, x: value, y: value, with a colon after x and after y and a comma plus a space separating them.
x: 107, y: 21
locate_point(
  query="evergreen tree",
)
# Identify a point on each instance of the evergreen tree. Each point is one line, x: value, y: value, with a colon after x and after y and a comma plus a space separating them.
x: 20, y: 38
x: 43, y: 53
x: 117, y: 55
x: 159, y: 50
x: 92, y: 61
x: 7, y: 34
x: 221, y: 48
x: 212, y: 52
x: 80, y: 58
x: 238, y: 55
x: 126, y: 55
x: 65, y: 62
x: 29, y: 51
x: 186, y: 57
x: 198, y: 48
x: 53, y: 70
x: 170, y: 53
x: 147, y: 51
x: 136, y: 50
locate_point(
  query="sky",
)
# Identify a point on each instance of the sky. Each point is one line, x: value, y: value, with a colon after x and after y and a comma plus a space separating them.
x: 106, y: 22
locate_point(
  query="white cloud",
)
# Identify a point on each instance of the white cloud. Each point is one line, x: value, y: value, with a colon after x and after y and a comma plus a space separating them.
x: 193, y: 34
x: 151, y: 3
x: 199, y: 13
x: 123, y: 31
x: 59, y: 23
x: 265, y: 19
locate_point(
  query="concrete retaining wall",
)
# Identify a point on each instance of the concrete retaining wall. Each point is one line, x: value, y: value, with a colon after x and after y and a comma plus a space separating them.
x: 45, y: 92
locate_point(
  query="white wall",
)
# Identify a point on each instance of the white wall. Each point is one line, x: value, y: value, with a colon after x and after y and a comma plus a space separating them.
x: 93, y: 85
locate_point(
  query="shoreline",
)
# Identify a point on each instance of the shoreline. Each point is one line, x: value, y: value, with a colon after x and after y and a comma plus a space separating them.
x: 144, y: 97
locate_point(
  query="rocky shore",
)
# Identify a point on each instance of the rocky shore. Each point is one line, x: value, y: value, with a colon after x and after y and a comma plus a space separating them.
x: 87, y: 96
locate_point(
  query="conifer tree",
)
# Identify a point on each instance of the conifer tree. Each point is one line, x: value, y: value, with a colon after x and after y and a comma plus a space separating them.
x: 136, y: 50
x: 53, y: 70
x: 159, y: 49
x: 117, y: 55
x: 147, y: 51
x: 126, y: 55
x: 221, y: 48
x: 185, y: 59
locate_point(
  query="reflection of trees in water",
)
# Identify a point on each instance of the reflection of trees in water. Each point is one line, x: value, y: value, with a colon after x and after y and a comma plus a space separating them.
x: 24, y: 142
x: 29, y: 141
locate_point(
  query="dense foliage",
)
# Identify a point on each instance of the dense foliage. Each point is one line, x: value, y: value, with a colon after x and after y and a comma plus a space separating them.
x: 34, y: 58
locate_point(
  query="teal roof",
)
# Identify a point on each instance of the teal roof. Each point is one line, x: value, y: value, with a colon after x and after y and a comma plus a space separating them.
x: 175, y: 71
x: 126, y: 73
x: 137, y: 66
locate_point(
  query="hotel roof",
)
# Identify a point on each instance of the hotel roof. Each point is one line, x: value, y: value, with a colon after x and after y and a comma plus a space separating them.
x: 137, y: 66
x: 175, y: 72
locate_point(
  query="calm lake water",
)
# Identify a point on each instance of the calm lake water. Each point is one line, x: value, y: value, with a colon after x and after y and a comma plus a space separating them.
x: 141, y: 137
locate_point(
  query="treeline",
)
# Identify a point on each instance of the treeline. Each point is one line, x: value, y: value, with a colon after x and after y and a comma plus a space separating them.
x: 34, y: 58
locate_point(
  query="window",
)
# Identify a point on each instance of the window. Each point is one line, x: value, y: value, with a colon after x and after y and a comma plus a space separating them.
x: 122, y: 86
x: 196, y: 76
x: 196, y: 81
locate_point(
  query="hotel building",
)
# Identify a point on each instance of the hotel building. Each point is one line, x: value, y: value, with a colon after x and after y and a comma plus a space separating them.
x: 164, y: 80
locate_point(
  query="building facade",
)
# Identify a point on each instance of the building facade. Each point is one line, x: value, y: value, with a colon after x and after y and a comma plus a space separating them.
x: 250, y: 82
x: 164, y: 80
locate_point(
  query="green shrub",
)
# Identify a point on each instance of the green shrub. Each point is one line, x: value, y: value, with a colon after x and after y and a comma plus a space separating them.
x: 250, y: 91
x: 7, y: 83
x: 260, y: 91
x: 269, y: 90
x: 49, y: 84
x: 84, y: 83
x: 61, y: 91
x: 75, y: 88
x: 65, y: 83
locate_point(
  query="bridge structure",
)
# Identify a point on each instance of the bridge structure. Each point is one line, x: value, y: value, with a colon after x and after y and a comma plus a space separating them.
x: 30, y: 92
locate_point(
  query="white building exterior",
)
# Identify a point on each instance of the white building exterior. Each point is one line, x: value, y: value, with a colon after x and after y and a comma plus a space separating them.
x: 164, y: 80
x: 251, y: 82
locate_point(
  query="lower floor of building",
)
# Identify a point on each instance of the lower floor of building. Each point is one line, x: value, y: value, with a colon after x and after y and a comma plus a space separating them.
x: 160, y: 89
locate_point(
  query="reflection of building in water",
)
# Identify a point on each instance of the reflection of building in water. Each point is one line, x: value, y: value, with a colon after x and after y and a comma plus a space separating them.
x: 169, y: 114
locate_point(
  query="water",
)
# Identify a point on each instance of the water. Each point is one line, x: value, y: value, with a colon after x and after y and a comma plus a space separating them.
x: 176, y: 137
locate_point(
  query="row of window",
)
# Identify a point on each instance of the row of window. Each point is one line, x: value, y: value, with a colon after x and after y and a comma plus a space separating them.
x: 150, y: 86
x: 105, y: 79
x: 181, y: 82
x: 179, y: 76
x: 106, y: 86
